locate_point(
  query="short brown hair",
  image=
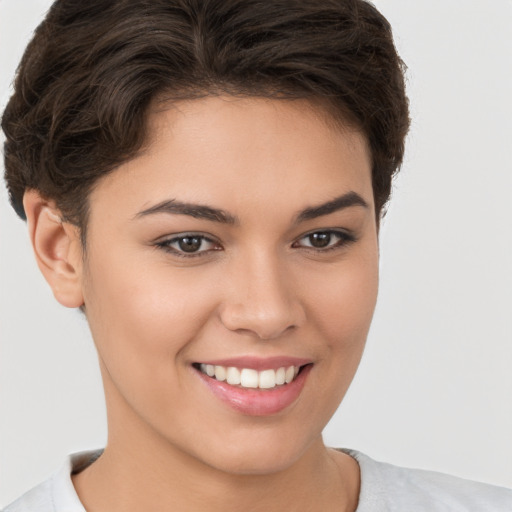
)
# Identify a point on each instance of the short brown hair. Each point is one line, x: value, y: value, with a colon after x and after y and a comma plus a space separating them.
x: 87, y: 78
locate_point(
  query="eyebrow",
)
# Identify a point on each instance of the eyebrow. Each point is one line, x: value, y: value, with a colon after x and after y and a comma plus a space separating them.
x: 339, y: 203
x: 199, y: 211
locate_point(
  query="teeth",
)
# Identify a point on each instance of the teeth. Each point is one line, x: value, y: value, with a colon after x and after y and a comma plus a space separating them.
x: 233, y: 376
x: 280, y: 376
x: 267, y: 379
x: 250, y: 378
x: 220, y: 373
x: 288, y: 376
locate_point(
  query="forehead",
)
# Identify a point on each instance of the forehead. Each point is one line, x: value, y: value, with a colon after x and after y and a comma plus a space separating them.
x: 242, y: 151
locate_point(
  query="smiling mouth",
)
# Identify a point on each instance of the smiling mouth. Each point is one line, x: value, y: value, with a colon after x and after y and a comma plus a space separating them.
x: 250, y: 378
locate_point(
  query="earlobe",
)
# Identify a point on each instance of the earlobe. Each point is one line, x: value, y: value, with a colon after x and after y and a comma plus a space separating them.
x: 56, y: 247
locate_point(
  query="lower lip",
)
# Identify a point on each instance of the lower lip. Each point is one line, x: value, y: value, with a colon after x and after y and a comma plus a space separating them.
x: 258, y: 402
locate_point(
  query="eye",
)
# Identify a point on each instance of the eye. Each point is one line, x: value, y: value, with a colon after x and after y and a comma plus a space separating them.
x: 324, y: 240
x: 189, y: 244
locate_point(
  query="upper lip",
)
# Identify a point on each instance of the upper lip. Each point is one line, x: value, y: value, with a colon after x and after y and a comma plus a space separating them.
x: 258, y: 363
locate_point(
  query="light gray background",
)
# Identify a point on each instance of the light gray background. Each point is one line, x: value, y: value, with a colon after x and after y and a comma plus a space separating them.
x: 435, y: 386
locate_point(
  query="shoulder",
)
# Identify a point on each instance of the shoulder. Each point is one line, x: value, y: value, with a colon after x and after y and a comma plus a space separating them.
x: 38, y: 499
x: 385, y: 487
x: 56, y: 494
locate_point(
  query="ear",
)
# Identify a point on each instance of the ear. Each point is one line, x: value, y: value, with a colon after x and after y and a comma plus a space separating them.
x: 57, y: 249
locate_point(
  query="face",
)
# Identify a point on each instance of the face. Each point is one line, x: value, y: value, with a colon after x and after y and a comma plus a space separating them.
x: 230, y: 280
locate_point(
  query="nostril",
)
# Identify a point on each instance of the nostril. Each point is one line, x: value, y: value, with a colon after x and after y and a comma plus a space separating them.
x: 271, y: 335
x: 265, y: 334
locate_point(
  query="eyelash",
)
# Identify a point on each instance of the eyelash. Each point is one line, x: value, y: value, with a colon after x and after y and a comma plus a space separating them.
x: 343, y: 239
x: 166, y: 245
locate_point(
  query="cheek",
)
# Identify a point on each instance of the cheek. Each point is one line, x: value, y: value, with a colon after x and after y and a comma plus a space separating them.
x: 140, y: 314
x: 344, y: 302
x: 340, y: 301
x: 143, y: 321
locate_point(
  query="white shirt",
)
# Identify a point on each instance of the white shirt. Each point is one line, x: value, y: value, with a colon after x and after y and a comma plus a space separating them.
x: 384, y: 488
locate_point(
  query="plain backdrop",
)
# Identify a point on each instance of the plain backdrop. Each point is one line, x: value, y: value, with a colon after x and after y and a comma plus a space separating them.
x: 434, y: 389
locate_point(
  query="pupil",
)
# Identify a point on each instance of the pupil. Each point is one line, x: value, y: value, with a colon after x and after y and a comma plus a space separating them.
x: 190, y: 243
x: 320, y: 239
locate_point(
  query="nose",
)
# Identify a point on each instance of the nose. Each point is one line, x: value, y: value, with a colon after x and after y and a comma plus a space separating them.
x: 262, y: 299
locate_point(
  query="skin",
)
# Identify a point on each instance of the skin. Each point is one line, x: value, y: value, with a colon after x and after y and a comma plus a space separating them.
x: 257, y: 289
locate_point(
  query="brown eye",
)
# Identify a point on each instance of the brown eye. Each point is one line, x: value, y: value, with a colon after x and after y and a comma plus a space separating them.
x: 190, y: 243
x: 324, y: 240
x: 319, y: 240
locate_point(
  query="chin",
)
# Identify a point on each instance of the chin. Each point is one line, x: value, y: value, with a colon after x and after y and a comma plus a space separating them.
x: 257, y: 454
x: 263, y: 463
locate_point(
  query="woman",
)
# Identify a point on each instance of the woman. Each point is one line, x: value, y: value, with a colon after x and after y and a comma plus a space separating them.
x: 205, y: 180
